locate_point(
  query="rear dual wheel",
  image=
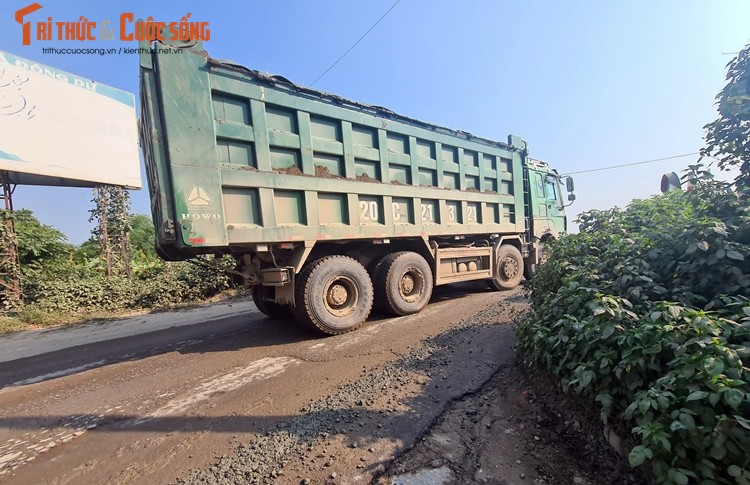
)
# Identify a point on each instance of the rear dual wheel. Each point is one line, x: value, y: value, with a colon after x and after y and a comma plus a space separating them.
x: 333, y: 295
x: 403, y: 283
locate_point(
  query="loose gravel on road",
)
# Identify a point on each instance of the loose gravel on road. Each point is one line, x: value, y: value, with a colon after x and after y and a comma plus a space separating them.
x: 441, y: 415
x: 350, y: 435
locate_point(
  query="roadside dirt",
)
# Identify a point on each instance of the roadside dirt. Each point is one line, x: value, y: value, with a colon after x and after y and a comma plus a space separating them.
x: 517, y: 429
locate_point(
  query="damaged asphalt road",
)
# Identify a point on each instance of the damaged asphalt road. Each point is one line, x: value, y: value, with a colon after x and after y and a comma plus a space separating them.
x: 245, y: 399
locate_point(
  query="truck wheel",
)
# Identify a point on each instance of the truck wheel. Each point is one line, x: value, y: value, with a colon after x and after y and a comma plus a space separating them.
x: 508, y: 270
x: 333, y: 295
x: 404, y: 283
x: 269, y: 308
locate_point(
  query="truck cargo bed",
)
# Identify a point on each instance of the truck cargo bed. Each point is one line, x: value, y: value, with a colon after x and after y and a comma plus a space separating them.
x: 236, y: 157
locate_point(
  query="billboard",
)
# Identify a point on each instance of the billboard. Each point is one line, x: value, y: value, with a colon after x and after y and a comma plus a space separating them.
x: 60, y: 129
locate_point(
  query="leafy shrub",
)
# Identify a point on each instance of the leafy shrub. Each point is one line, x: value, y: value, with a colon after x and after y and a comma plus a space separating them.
x: 728, y: 138
x: 155, y: 285
x: 75, y: 294
x: 170, y: 283
x: 61, y: 282
x: 647, y: 312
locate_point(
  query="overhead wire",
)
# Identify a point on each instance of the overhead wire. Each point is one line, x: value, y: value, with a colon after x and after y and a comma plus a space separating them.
x: 569, y: 173
x: 634, y: 163
x: 355, y: 44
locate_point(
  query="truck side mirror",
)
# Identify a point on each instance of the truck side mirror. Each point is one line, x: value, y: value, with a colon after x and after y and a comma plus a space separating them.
x: 571, y: 197
x: 569, y: 185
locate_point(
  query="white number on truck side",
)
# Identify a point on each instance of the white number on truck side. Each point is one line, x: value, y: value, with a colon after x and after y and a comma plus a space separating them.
x: 452, y: 213
x: 369, y: 210
x: 471, y: 213
x: 428, y: 213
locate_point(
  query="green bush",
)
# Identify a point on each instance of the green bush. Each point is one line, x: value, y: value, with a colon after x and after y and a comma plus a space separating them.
x: 62, y: 283
x: 72, y: 295
x: 647, y: 312
x: 158, y: 284
x: 169, y: 283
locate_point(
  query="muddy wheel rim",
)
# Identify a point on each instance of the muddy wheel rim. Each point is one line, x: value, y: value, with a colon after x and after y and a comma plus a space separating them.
x: 509, y: 269
x: 411, y: 285
x: 341, y: 296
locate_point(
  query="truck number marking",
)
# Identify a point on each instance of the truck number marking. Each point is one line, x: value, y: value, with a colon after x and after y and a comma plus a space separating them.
x: 396, y: 212
x: 369, y: 210
x: 452, y: 213
x: 471, y: 214
x: 428, y: 213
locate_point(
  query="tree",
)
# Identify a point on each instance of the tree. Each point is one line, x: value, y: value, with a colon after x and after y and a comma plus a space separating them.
x: 113, y: 228
x: 89, y: 249
x: 39, y: 244
x: 142, y: 236
x: 728, y: 138
x: 142, y: 241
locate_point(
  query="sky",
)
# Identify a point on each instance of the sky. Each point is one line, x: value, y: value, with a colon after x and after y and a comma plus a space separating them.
x: 587, y: 84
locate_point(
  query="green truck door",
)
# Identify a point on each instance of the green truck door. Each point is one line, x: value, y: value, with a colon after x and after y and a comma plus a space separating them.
x: 549, y: 216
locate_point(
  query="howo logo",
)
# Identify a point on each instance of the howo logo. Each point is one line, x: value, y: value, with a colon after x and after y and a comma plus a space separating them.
x: 26, y: 26
x: 198, y: 217
x: 198, y: 198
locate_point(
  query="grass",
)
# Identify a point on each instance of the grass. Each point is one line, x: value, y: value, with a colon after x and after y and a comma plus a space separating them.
x: 10, y: 324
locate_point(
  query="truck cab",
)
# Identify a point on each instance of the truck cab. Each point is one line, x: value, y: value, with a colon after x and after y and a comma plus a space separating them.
x: 546, y: 200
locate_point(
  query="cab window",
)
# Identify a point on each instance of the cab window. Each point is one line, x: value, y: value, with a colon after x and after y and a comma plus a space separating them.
x: 551, y: 190
x: 539, y: 185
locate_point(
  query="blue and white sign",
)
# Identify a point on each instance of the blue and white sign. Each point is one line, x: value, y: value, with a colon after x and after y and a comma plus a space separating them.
x: 57, y: 128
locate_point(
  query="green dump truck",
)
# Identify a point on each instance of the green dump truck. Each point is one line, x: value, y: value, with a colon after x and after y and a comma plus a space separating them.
x: 329, y: 205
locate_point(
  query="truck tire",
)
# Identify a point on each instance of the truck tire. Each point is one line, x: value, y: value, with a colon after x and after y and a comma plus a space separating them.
x: 269, y: 308
x: 403, y: 285
x: 508, y: 270
x: 333, y: 295
x: 374, y: 269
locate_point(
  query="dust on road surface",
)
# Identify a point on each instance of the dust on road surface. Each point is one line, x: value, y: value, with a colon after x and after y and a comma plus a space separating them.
x: 251, y: 400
